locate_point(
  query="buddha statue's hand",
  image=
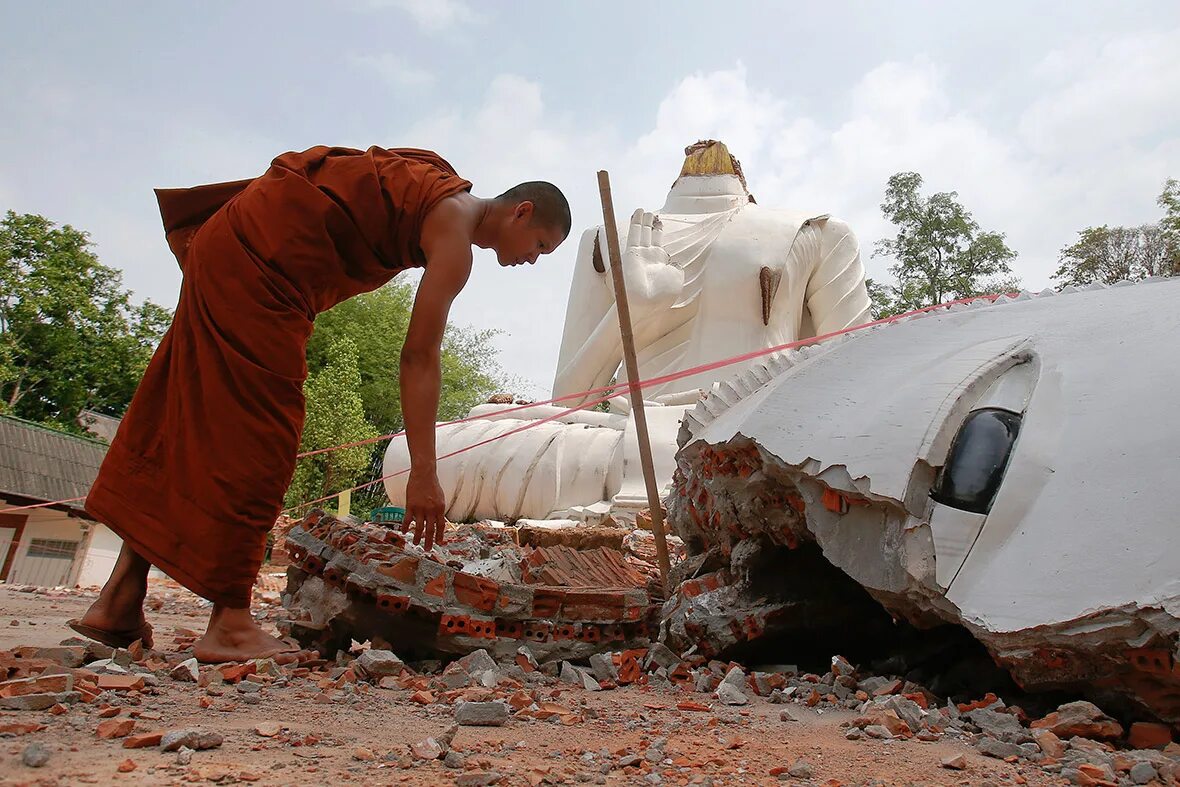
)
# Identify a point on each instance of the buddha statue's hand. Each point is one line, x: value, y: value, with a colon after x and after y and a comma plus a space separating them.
x: 652, y: 280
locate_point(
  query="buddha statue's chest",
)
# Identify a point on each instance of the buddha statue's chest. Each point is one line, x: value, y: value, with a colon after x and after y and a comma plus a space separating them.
x: 750, y: 241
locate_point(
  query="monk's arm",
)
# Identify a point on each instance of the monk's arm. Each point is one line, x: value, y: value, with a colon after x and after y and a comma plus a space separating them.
x: 448, y: 265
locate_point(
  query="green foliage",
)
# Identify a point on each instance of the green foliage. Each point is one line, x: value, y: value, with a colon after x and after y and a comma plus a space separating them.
x: 1169, y: 200
x: 940, y: 252
x: 335, y: 416
x: 70, y: 337
x: 1112, y: 254
x: 374, y: 324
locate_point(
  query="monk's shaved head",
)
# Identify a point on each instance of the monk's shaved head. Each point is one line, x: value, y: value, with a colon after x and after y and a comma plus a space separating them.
x: 550, y: 206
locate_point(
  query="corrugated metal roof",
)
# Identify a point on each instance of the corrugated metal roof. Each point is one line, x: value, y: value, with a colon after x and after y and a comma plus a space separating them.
x: 45, y: 464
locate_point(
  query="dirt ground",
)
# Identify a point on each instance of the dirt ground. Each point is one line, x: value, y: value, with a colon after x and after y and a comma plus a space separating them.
x: 322, y: 740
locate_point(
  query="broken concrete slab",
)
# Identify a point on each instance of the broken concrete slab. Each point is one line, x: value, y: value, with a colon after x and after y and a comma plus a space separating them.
x: 865, y: 484
x: 196, y: 740
x: 373, y: 665
x: 482, y: 714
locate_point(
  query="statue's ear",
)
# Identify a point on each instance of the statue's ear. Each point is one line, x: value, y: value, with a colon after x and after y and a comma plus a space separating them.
x: 596, y: 255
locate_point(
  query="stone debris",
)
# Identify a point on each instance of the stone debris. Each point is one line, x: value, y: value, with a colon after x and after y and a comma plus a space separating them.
x: 197, y: 740
x: 731, y: 695
x: 955, y: 763
x: 516, y: 686
x: 1081, y: 719
x: 187, y: 670
x: 482, y: 714
x: 35, y: 755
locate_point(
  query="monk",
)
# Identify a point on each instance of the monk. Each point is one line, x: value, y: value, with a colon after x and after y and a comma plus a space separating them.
x: 195, y: 477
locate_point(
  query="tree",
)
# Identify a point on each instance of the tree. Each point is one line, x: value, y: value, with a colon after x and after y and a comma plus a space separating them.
x: 1169, y: 200
x: 941, y: 254
x: 376, y: 322
x: 1112, y: 254
x: 335, y: 415
x: 70, y: 337
x: 375, y: 325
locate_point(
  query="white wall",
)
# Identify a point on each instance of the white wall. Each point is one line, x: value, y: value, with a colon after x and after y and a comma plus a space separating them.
x: 52, y: 525
x: 100, y: 556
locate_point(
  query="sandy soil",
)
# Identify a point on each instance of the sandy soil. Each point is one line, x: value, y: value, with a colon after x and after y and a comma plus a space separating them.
x: 322, y: 740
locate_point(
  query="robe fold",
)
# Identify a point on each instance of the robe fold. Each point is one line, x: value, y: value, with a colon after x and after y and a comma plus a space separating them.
x: 196, y: 474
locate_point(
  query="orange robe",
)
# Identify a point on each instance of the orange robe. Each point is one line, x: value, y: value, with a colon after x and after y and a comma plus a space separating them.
x: 195, y: 477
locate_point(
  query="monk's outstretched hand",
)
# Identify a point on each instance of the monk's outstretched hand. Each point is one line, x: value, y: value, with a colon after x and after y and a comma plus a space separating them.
x: 426, y: 506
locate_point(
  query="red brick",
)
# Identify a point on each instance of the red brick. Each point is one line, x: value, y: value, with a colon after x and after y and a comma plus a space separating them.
x: 593, y: 605
x: 143, y: 740
x: 20, y: 728
x: 547, y: 603
x: 481, y: 628
x: 476, y: 592
x: 235, y: 672
x: 115, y: 728
x: 437, y: 586
x: 537, y: 631
x: 588, y: 632
x: 404, y: 570
x: 453, y: 625
x: 46, y: 684
x: 509, y: 629
x: 394, y: 604
x: 120, y: 682
x: 629, y: 670
x: 681, y: 674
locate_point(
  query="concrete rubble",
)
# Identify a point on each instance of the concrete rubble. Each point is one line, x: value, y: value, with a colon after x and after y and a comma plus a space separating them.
x: 1075, y: 742
x: 479, y: 590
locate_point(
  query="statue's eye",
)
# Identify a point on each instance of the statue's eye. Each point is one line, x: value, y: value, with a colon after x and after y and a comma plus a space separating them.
x: 977, y: 460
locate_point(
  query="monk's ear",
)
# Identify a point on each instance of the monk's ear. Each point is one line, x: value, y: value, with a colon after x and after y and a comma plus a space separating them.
x: 524, y: 211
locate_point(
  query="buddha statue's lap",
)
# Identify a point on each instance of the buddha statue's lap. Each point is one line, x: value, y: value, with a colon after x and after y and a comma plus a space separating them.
x: 710, y: 275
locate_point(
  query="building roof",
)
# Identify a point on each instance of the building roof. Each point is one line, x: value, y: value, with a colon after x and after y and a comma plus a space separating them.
x: 44, y: 464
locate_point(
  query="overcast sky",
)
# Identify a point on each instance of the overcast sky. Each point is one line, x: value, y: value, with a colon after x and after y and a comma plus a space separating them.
x: 1045, y: 117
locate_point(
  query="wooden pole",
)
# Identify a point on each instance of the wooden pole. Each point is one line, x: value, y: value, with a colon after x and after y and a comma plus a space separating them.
x: 649, y: 475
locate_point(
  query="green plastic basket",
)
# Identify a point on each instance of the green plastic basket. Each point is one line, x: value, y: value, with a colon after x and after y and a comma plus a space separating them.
x: 388, y: 515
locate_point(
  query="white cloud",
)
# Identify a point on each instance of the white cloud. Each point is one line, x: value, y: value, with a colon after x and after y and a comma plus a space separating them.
x: 898, y: 116
x: 393, y: 69
x: 1087, y: 139
x: 434, y: 15
x: 1107, y: 95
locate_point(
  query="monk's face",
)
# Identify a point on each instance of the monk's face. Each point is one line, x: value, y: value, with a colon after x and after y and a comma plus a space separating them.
x: 523, y: 240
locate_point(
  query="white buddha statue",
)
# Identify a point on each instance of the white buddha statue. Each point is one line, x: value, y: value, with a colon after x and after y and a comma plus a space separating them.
x: 710, y: 275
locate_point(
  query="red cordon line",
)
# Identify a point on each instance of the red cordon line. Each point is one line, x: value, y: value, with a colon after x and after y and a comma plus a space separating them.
x: 42, y: 505
x: 621, y: 388
x: 616, y: 390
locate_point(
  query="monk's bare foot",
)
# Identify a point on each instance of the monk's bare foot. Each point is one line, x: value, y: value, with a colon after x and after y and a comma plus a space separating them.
x: 234, y: 636
x: 116, y: 616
